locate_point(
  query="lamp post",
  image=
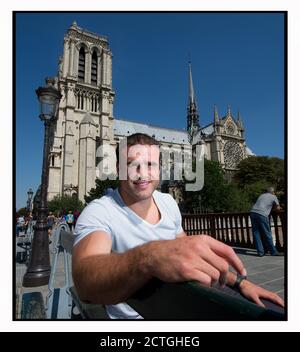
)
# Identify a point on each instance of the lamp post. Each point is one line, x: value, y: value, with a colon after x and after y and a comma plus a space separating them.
x: 29, y: 200
x: 38, y: 271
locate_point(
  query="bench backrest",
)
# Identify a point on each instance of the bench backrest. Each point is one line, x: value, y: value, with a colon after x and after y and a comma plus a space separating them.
x: 67, y: 239
x: 59, y: 302
x: 62, y: 300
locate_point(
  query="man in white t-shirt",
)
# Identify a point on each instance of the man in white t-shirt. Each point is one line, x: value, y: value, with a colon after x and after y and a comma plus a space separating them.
x: 134, y: 234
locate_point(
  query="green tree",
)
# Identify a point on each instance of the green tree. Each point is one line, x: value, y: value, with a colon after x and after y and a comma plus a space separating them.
x: 261, y: 169
x: 99, y: 190
x: 64, y: 203
x: 255, y: 189
x: 217, y: 195
x: 22, y: 212
x: 236, y: 199
x: 213, y: 194
x: 256, y: 173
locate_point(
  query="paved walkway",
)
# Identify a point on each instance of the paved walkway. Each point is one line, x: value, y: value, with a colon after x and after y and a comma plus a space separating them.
x: 21, y: 268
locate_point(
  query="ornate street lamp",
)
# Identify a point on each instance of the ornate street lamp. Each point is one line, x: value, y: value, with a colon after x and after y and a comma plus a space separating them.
x: 29, y: 201
x: 38, y: 271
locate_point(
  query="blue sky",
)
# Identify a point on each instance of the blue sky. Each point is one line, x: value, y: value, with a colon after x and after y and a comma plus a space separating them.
x: 237, y: 59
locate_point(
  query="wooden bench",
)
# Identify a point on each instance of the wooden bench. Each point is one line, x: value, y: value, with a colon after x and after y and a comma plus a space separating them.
x: 159, y: 300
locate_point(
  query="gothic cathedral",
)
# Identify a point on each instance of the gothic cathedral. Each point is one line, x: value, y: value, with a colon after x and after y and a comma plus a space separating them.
x: 86, y: 120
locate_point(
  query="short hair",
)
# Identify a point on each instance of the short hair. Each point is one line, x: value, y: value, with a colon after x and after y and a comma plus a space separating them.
x: 138, y: 138
x: 270, y: 189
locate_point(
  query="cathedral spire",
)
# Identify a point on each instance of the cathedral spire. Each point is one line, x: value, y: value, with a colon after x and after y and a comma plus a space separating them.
x: 74, y: 25
x: 216, y: 120
x: 192, y: 111
x: 240, y: 122
x: 191, y: 86
x: 228, y: 110
x: 216, y: 115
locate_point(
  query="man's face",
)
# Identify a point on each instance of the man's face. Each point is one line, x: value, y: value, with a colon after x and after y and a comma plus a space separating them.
x: 142, y: 171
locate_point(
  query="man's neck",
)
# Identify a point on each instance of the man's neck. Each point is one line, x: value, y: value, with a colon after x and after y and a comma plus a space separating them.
x: 133, y: 202
x: 143, y: 207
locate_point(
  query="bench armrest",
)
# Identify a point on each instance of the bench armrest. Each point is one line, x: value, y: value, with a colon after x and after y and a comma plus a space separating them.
x: 182, y: 301
x: 192, y: 301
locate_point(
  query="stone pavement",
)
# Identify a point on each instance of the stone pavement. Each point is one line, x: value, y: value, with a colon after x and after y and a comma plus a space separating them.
x: 21, y: 270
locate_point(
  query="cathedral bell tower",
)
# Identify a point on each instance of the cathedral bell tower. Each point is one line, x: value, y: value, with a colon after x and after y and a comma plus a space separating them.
x: 85, y: 113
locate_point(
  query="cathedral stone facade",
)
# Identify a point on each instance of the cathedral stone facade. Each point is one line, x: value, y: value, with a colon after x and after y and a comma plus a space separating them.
x: 86, y: 120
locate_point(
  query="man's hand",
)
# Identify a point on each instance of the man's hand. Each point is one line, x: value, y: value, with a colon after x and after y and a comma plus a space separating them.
x: 255, y: 293
x: 198, y: 258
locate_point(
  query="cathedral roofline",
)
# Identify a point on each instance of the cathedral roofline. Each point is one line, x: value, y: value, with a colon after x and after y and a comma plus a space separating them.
x: 222, y: 119
x: 162, y: 134
x: 156, y: 126
x: 202, y: 128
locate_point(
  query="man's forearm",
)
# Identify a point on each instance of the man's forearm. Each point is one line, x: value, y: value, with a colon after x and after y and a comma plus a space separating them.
x: 112, y: 278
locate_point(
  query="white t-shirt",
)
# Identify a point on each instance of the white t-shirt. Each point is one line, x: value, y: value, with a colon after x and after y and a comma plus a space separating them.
x: 128, y: 230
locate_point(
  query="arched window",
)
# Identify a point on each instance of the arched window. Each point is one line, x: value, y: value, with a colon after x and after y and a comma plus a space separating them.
x: 94, y: 69
x: 81, y: 65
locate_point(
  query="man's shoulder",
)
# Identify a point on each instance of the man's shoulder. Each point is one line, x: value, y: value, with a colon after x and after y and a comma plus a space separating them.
x: 166, y: 199
x: 97, y: 209
x: 104, y: 203
x: 270, y: 196
x: 163, y: 196
x: 266, y: 195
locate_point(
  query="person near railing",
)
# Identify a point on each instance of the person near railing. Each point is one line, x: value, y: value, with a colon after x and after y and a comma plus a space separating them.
x: 259, y: 215
x: 20, y: 225
x: 50, y: 222
x: 134, y: 234
x: 70, y: 220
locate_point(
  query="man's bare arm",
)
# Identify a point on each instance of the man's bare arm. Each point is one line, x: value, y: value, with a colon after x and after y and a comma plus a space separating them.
x: 181, y: 234
x: 110, y: 278
x: 104, y: 277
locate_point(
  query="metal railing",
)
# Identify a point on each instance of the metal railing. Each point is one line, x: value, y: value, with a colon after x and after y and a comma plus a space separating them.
x: 234, y: 229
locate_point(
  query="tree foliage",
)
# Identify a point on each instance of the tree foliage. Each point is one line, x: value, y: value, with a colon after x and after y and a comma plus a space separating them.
x: 213, y: 194
x: 261, y: 169
x: 99, y: 190
x: 253, y: 190
x: 253, y: 176
x: 64, y: 203
x: 236, y: 199
x: 217, y: 195
x: 256, y: 173
x: 22, y: 212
